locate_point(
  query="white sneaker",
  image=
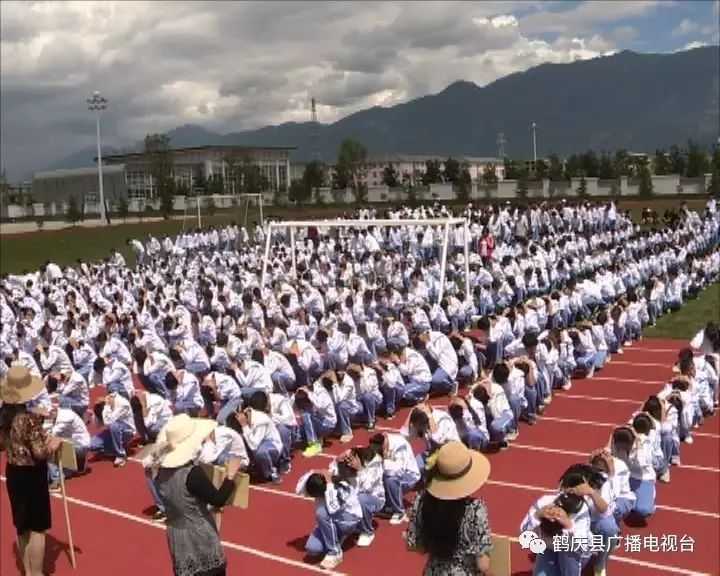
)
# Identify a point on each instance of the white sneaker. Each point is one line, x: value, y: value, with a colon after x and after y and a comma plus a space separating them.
x: 665, y: 478
x: 567, y: 385
x: 608, y: 359
x: 600, y: 572
x: 627, y: 344
x: 621, y: 351
x: 398, y: 519
x: 688, y: 440
x: 513, y: 435
x: 346, y: 438
x: 591, y: 373
x: 119, y: 462
x: 331, y: 561
x: 547, y: 399
x: 364, y: 540
x: 675, y: 460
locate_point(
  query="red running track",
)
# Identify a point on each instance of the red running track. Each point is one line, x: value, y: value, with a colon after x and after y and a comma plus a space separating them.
x: 113, y: 534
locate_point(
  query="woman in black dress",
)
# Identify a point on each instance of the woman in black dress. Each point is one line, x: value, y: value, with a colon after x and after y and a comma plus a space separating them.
x: 28, y: 449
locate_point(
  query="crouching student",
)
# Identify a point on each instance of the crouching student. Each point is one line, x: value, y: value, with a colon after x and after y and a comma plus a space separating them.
x: 470, y: 423
x: 318, y: 417
x: 391, y: 382
x: 115, y: 414
x: 222, y: 388
x: 433, y: 425
x: 283, y: 415
x: 661, y: 440
x: 501, y: 426
x: 400, y: 472
x: 633, y: 446
x: 66, y: 424
x: 72, y: 389
x: 619, y: 476
x: 558, y: 520
x: 338, y: 514
x: 151, y: 412
x: 367, y: 389
x: 261, y: 437
x: 367, y: 465
x: 184, y: 392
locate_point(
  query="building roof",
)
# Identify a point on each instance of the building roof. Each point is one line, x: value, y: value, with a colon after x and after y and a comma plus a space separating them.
x: 228, y: 147
x: 397, y: 158
x: 71, y: 172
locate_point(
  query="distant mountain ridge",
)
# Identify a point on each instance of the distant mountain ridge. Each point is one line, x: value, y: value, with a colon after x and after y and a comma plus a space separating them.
x: 639, y: 102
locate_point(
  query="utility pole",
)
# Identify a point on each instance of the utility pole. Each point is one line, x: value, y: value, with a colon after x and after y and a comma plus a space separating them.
x: 97, y: 104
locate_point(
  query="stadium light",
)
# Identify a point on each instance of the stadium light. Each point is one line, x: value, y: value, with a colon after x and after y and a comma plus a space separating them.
x: 534, y: 129
x: 97, y: 104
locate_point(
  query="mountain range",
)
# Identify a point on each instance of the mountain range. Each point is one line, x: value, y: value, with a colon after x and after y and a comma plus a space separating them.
x: 639, y: 102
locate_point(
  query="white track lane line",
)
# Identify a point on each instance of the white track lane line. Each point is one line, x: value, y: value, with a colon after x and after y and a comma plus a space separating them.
x: 620, y: 380
x: 611, y: 425
x: 230, y: 545
x: 617, y: 362
x: 311, y: 568
x: 564, y: 394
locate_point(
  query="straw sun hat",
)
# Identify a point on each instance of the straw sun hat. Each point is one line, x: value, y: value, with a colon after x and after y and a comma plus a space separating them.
x: 19, y: 386
x: 457, y: 472
x: 181, y: 439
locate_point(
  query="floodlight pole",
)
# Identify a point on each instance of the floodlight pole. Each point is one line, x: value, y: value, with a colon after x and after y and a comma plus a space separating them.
x: 534, y: 130
x: 467, y: 261
x: 443, y: 261
x: 96, y: 104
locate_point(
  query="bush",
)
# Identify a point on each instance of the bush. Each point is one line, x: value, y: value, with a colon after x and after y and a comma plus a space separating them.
x: 72, y: 212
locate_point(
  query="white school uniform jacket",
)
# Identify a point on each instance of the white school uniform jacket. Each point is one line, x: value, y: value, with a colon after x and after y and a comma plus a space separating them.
x: 76, y: 387
x: 580, y: 528
x: 69, y: 426
x: 261, y: 428
x: 158, y: 410
x: 187, y: 394
x: 120, y: 413
x: 323, y: 404
x: 338, y: 496
x: 227, y: 387
x: 415, y: 366
x: 498, y: 402
x: 621, y: 480
x: 640, y: 461
x: 224, y: 442
x: 446, y: 429
x: 441, y: 349
x: 401, y: 459
x: 118, y: 374
x: 281, y: 410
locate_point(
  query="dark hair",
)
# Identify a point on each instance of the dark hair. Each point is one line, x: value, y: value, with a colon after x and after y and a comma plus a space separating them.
x: 258, y: 401
x: 653, y: 407
x: 302, y: 402
x: 420, y: 422
x: 8, y: 412
x: 315, y: 485
x: 501, y: 373
x: 171, y: 381
x: 642, y: 423
x: 441, y: 521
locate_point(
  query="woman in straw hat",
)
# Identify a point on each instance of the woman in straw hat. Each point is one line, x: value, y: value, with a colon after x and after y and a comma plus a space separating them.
x: 446, y: 522
x: 28, y: 449
x: 187, y: 492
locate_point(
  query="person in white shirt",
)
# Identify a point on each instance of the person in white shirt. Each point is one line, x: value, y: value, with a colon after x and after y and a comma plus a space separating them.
x: 225, y: 442
x: 632, y: 445
x: 436, y: 427
x: 151, y: 369
x: 416, y: 374
x: 283, y: 415
x: 224, y: 389
x: 151, y: 412
x: 441, y: 353
x: 115, y: 376
x: 501, y: 426
x: 115, y: 413
x: 337, y: 511
x: 66, y: 424
x: 261, y: 436
x: 280, y: 369
x: 184, y: 392
x: 72, y: 391
x: 252, y: 375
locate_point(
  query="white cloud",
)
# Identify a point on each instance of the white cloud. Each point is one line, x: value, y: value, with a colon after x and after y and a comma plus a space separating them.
x: 694, y: 44
x: 237, y: 65
x: 685, y: 28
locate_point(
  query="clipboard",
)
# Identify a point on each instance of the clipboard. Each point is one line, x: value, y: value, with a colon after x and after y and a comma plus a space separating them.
x: 500, y: 556
x: 66, y: 456
x: 240, y: 494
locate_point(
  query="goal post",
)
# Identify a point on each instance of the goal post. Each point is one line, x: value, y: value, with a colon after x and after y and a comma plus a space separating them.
x: 446, y: 223
x: 199, y: 206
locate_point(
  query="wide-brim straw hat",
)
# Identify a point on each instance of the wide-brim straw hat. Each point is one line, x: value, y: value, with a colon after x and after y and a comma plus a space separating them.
x: 20, y: 386
x: 458, y: 473
x: 181, y: 439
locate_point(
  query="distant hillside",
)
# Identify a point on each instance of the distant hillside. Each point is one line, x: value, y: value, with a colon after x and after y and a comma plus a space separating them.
x: 634, y: 101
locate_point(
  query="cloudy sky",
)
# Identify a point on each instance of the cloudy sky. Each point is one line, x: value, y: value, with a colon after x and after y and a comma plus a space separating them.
x: 235, y: 65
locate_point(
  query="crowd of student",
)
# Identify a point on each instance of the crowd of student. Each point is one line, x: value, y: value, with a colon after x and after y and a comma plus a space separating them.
x: 357, y: 330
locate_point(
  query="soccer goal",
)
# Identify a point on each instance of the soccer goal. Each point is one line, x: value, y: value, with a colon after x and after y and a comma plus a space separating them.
x: 241, y: 206
x: 323, y: 225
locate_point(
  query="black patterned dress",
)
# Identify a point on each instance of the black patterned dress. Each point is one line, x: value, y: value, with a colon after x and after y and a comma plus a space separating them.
x: 193, y: 538
x: 475, y: 539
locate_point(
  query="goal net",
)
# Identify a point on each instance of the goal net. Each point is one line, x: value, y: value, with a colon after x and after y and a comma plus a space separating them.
x: 290, y: 231
x: 242, y: 208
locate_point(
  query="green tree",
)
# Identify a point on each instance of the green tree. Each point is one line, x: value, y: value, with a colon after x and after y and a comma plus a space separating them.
x: 676, y: 161
x: 541, y: 169
x: 621, y: 164
x: 159, y: 156
x: 606, y: 170
x: 451, y: 173
x: 713, y: 186
x: 464, y: 185
x: 489, y: 175
x: 252, y: 180
x: 513, y: 169
x: 697, y: 160
x: 123, y: 208
x: 582, y: 187
x: 4, y: 186
x: 661, y: 164
x: 573, y: 167
x: 522, y: 186
x: 72, y: 213
x: 390, y: 177
x: 314, y: 175
x: 555, y: 170
x: 590, y: 164
x: 432, y: 174
x: 351, y: 163
x: 646, y: 185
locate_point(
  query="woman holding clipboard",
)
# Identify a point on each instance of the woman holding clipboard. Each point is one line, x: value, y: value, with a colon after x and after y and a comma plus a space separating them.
x: 187, y: 493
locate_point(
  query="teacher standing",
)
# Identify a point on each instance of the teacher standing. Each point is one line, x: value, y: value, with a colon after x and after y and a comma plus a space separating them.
x: 28, y: 448
x: 187, y: 493
x: 447, y: 522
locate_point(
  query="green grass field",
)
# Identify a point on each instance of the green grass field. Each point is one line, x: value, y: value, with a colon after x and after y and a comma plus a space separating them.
x: 685, y: 323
